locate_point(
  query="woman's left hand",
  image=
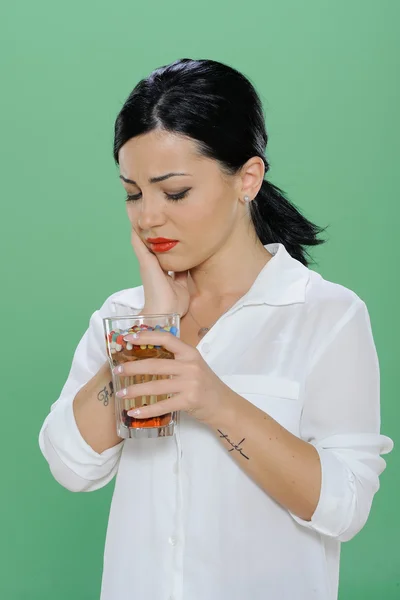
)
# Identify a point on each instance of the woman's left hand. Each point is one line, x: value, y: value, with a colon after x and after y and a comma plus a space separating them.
x: 196, y: 388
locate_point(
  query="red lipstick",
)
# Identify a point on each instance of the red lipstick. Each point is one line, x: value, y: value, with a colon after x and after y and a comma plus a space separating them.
x: 159, y: 240
x: 161, y: 244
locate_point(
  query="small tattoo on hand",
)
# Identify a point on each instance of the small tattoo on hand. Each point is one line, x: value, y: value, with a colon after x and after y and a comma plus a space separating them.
x: 234, y: 446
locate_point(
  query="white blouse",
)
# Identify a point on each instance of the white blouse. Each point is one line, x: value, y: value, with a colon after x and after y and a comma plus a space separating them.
x: 186, y: 522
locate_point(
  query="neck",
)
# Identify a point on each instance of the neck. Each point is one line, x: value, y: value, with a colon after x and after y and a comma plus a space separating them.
x: 227, y: 274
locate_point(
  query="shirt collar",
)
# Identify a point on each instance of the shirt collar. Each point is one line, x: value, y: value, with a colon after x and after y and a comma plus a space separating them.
x: 282, y: 281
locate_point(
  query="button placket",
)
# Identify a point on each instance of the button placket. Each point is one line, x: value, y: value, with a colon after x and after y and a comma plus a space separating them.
x: 176, y: 540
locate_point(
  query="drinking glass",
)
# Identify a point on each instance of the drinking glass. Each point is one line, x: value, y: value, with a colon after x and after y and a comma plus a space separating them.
x: 119, y: 351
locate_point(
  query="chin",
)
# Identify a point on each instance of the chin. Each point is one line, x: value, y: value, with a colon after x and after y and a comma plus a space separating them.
x: 173, y: 264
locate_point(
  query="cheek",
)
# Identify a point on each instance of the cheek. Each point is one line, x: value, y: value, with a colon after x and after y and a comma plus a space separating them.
x: 211, y: 216
x: 130, y: 211
x: 206, y: 207
x: 217, y: 214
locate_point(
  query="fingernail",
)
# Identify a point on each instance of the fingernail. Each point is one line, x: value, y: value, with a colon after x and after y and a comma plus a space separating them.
x: 121, y: 393
x: 131, y: 336
x: 134, y: 413
x: 118, y: 369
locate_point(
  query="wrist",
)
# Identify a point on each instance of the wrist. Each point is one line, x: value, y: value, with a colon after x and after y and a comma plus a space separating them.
x: 224, y: 410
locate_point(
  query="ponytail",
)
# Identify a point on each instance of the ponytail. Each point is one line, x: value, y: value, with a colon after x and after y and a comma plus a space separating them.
x: 276, y: 219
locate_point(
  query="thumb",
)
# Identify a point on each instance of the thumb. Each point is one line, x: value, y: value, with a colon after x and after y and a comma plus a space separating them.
x: 181, y: 277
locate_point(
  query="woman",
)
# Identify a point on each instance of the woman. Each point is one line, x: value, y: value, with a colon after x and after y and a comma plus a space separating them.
x: 277, y: 455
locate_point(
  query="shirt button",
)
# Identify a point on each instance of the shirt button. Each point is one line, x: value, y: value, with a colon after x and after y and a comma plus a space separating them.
x: 173, y: 540
x: 206, y: 347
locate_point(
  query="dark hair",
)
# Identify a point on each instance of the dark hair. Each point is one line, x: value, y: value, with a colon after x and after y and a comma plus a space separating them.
x: 220, y: 110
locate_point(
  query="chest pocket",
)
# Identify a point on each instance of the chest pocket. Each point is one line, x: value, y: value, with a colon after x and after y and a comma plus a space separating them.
x: 276, y: 396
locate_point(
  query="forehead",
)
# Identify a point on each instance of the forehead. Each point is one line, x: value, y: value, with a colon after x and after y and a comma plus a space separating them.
x: 158, y: 152
x: 155, y: 150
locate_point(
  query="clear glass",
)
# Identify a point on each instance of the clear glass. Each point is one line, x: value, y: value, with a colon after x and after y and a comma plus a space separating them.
x: 119, y: 351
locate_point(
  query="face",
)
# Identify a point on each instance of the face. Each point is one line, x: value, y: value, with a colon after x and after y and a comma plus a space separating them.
x: 207, y: 214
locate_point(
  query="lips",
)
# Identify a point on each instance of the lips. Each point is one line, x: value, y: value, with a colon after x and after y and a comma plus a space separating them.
x: 160, y: 240
x: 163, y: 247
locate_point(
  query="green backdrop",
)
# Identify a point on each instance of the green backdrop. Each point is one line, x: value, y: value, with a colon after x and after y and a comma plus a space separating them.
x: 328, y: 75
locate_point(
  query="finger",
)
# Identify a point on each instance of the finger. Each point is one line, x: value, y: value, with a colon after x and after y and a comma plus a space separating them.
x: 149, y: 388
x: 148, y: 261
x: 141, y: 250
x: 180, y: 349
x: 149, y: 366
x: 159, y: 408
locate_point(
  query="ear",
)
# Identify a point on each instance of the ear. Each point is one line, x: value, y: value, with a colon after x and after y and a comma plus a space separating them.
x: 252, y: 176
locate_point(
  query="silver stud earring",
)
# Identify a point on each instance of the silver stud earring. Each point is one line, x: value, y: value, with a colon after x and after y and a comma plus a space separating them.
x: 246, y: 199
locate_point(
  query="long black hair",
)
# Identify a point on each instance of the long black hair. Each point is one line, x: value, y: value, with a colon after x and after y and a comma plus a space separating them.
x: 220, y: 110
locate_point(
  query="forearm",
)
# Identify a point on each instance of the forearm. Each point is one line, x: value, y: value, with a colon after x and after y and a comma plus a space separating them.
x: 286, y: 468
x: 94, y: 411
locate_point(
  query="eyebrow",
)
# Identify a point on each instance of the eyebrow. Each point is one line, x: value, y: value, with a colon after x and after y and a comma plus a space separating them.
x: 156, y: 179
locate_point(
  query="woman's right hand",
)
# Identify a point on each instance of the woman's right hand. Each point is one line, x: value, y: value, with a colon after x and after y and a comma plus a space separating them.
x: 162, y: 293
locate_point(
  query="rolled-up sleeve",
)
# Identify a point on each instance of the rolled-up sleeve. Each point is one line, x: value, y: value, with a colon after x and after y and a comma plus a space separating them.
x: 73, y: 463
x: 341, y: 419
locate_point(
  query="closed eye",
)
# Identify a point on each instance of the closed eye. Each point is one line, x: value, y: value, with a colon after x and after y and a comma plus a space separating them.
x: 172, y: 197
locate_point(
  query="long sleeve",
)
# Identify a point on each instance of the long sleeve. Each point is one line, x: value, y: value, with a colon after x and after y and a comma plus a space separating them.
x: 341, y: 418
x: 73, y: 463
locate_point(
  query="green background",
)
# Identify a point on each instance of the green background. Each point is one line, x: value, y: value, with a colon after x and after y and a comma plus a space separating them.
x: 328, y: 76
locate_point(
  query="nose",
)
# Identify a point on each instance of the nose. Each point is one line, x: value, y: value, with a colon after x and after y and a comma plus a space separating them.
x: 150, y: 216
